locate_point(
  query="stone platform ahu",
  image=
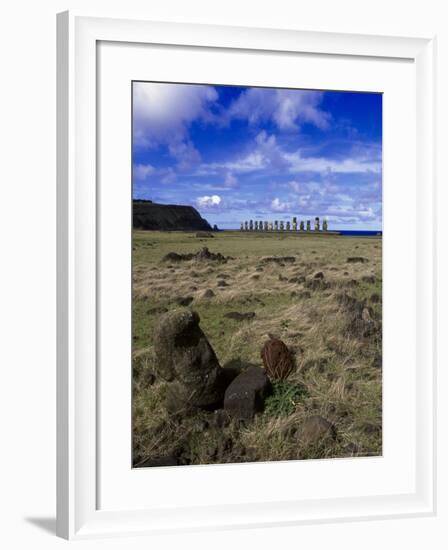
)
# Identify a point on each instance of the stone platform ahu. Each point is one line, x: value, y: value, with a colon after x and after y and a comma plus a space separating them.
x: 291, y: 226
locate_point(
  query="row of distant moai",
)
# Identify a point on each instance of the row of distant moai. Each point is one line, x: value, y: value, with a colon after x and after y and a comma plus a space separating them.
x: 283, y: 226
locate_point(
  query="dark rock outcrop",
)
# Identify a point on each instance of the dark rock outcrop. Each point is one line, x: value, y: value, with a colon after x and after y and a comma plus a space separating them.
x: 246, y: 394
x: 167, y: 217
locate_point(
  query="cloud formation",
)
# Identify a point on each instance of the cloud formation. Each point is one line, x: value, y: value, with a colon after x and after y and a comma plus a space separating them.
x: 208, y: 201
x: 287, y: 109
x: 241, y: 153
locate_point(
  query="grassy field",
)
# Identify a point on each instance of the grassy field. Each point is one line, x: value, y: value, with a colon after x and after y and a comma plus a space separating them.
x: 333, y: 327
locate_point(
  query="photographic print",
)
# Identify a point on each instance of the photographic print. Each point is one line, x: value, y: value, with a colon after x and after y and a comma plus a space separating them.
x: 257, y: 274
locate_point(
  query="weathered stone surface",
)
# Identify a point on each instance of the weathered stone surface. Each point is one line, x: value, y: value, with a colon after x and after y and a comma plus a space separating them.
x: 184, y: 357
x: 246, y: 394
x: 208, y: 293
x: 315, y: 429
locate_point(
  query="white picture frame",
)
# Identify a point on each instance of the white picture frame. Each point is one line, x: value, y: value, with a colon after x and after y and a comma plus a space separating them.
x: 78, y: 515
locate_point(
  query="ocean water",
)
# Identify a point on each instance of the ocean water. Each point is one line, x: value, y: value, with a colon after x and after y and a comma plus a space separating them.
x: 355, y: 233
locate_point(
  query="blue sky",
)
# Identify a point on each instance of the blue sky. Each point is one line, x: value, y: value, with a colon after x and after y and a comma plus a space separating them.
x: 238, y: 153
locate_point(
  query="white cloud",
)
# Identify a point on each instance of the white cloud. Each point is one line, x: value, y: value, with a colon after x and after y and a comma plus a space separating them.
x: 287, y: 109
x: 357, y: 164
x: 142, y: 171
x: 162, y: 114
x: 278, y: 206
x: 206, y: 201
x: 230, y: 181
x: 267, y: 153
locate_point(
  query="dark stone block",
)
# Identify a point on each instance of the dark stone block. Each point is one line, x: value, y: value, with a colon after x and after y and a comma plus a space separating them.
x: 246, y: 394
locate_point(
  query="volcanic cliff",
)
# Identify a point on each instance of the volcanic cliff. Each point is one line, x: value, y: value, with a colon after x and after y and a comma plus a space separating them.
x: 167, y: 217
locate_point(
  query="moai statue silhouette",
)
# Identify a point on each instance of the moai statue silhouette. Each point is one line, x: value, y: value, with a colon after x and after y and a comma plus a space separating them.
x: 276, y: 225
x: 245, y: 226
x: 302, y: 226
x: 288, y: 226
x: 256, y: 225
x: 308, y: 225
x: 251, y: 225
x: 271, y: 226
x: 316, y: 224
x: 294, y: 224
x: 242, y: 226
x: 266, y: 226
x: 282, y: 226
x: 325, y: 225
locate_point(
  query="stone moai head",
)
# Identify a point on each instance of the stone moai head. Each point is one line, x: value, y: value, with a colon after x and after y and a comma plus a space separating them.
x: 242, y: 226
x: 294, y: 220
x: 251, y: 225
x: 266, y: 226
x: 302, y: 226
x: 256, y: 225
x: 308, y: 225
x: 271, y: 226
x: 282, y: 226
x: 325, y: 225
x: 245, y: 226
x: 276, y: 225
x: 288, y: 226
x: 316, y: 224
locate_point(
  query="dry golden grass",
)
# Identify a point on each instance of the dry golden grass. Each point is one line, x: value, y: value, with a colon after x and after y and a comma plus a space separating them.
x: 332, y: 325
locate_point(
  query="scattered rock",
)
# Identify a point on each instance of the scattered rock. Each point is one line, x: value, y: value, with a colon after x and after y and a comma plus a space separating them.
x: 175, y: 257
x: 259, y: 268
x: 369, y: 279
x: 185, y: 358
x: 318, y: 275
x: 208, y: 293
x: 375, y: 298
x: 156, y: 310
x: 223, y: 276
x: 203, y: 254
x: 255, y: 276
x: 315, y: 429
x: 237, y: 316
x: 204, y: 235
x: 246, y: 394
x: 222, y: 283
x: 277, y: 259
x: 184, y: 300
x: 282, y: 278
x: 356, y: 260
x: 277, y: 359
